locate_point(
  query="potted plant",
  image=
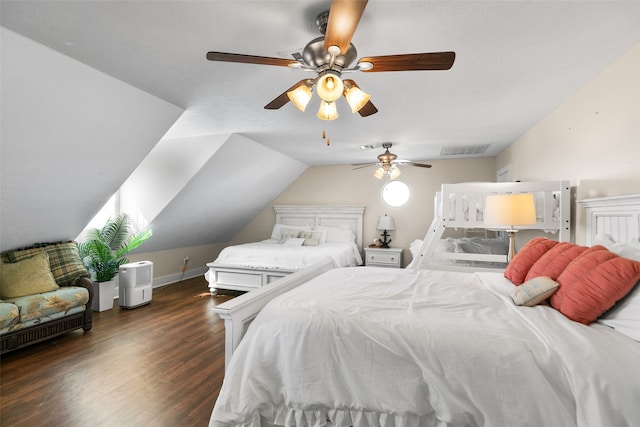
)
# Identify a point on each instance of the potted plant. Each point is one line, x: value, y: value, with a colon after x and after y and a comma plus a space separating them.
x: 104, y: 252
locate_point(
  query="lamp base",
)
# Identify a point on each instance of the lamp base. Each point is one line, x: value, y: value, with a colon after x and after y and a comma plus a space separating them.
x: 385, y: 240
x: 512, y: 245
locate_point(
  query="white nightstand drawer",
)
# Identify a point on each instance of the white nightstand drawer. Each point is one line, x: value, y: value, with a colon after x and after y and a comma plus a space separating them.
x: 391, y: 257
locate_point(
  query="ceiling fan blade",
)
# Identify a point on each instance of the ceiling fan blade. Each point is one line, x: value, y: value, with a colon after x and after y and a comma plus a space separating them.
x: 249, y: 59
x: 410, y: 62
x: 282, y: 99
x: 357, y: 166
x: 420, y: 165
x: 344, y: 16
x: 368, y: 109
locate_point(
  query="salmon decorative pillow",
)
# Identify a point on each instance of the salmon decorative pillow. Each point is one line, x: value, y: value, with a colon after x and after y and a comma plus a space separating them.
x: 593, y: 283
x: 555, y: 260
x: 520, y: 265
x: 579, y: 267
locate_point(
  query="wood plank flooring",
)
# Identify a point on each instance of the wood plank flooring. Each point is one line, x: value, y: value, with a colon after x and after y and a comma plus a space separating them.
x: 157, y: 365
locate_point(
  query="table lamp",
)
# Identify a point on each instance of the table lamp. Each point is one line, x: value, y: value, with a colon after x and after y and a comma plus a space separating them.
x: 385, y: 223
x: 510, y: 211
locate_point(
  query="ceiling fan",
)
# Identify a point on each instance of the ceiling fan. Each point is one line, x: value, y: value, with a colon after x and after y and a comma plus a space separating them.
x: 331, y: 55
x: 388, y: 164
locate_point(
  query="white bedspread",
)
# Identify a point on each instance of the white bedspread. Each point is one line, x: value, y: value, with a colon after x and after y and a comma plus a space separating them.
x: 272, y: 254
x: 368, y: 346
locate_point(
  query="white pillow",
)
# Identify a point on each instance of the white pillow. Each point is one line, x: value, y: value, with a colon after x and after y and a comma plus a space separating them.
x: 294, y: 241
x: 414, y: 247
x: 276, y: 232
x: 312, y: 238
x: 323, y: 234
x: 534, y: 291
x: 338, y: 234
x: 624, y: 317
x: 629, y: 250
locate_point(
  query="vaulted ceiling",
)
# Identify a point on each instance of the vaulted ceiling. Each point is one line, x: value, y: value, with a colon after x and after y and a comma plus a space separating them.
x: 516, y: 61
x: 133, y: 76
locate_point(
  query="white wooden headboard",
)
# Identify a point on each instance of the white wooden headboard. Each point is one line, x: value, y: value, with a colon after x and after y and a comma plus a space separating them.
x: 618, y: 217
x: 337, y: 216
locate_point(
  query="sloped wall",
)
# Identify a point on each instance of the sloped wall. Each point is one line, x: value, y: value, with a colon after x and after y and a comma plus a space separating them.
x: 592, y: 139
x: 70, y: 135
x: 239, y: 180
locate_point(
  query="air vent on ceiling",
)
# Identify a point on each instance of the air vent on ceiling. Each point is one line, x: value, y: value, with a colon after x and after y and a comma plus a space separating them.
x: 462, y: 150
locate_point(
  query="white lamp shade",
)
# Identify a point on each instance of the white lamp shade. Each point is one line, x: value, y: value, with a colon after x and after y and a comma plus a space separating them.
x: 330, y: 87
x: 510, y: 210
x: 300, y: 96
x: 385, y: 222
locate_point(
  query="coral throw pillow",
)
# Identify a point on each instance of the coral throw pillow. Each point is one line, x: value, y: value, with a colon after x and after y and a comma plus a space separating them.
x: 593, y: 282
x: 520, y: 265
x: 577, y: 268
x: 555, y: 260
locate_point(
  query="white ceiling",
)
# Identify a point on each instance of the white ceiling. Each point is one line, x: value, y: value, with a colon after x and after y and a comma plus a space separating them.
x: 516, y: 61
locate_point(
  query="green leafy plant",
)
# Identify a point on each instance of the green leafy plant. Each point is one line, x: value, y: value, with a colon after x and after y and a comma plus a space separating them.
x: 104, y: 250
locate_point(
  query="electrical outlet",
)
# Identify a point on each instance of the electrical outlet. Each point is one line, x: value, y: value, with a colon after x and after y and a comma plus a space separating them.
x: 186, y: 258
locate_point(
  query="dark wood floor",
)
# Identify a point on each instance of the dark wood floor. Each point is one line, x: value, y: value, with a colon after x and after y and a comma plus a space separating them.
x: 157, y: 365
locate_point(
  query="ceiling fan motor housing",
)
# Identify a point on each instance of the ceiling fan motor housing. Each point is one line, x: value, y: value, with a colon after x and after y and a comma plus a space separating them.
x: 315, y: 56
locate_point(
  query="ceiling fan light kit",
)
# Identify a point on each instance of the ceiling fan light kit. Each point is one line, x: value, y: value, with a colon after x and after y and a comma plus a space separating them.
x: 329, y: 86
x: 327, y: 111
x: 388, y: 172
x: 388, y: 165
x: 331, y: 55
x: 300, y: 96
x: 356, y: 97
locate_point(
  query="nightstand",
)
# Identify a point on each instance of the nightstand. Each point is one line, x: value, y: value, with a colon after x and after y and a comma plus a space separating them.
x: 383, y: 257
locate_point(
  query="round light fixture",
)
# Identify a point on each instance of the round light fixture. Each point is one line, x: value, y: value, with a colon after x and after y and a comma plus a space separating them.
x: 395, y: 193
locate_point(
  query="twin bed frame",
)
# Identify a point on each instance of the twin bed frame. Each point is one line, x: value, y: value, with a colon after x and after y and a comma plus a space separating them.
x: 461, y: 206
x: 236, y: 278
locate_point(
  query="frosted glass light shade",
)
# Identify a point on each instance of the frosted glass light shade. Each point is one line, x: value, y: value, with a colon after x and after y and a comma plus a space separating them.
x: 394, y: 172
x: 356, y: 98
x: 300, y: 96
x: 510, y: 210
x: 379, y: 173
x: 327, y: 111
x: 329, y: 87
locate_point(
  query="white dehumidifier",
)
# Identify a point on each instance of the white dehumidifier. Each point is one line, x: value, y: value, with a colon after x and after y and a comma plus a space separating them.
x: 135, y: 285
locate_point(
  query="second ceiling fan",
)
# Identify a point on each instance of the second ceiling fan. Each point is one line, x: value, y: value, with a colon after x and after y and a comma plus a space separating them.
x: 331, y: 55
x: 388, y: 164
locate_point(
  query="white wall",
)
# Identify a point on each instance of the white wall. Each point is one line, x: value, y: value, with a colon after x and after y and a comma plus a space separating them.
x: 70, y: 136
x: 341, y: 185
x: 592, y: 139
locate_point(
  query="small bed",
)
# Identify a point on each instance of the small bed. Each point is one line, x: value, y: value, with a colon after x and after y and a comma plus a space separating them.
x: 303, y: 235
x: 461, y: 206
x: 371, y: 346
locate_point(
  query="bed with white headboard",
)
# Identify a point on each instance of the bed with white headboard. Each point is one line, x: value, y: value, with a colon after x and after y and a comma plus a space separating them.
x: 339, y: 234
x: 434, y: 347
x: 614, y: 218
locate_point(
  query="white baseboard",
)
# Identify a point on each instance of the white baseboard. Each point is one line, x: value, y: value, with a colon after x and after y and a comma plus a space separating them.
x: 159, y: 282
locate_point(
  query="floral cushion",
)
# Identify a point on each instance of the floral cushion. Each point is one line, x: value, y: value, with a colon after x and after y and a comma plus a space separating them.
x: 60, y: 301
x: 9, y: 314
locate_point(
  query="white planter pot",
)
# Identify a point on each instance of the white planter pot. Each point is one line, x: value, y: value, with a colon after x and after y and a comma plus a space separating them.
x: 103, y: 293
